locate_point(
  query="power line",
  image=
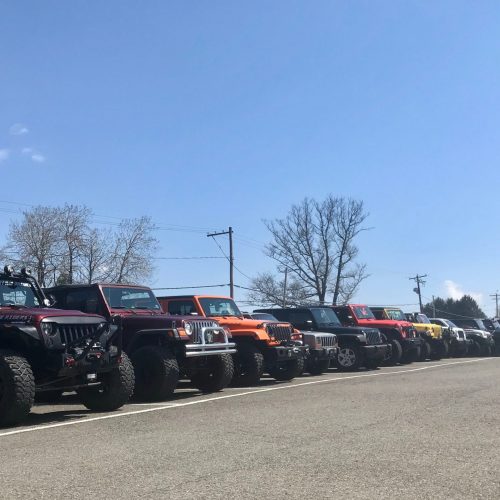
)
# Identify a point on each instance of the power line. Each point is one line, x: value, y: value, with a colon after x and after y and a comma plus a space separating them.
x: 185, y: 258
x: 189, y: 287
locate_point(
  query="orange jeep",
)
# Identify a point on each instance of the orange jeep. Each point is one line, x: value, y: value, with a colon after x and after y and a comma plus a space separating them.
x: 262, y: 346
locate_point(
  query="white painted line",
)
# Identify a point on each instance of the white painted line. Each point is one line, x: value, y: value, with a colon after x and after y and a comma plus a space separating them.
x: 163, y: 404
x: 167, y: 406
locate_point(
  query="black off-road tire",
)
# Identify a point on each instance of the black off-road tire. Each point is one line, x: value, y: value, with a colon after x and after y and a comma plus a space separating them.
x: 17, y: 388
x: 485, y: 350
x: 425, y: 351
x: 156, y: 373
x: 474, y: 349
x: 396, y: 353
x: 249, y: 365
x: 318, y: 367
x: 217, y: 376
x: 411, y: 356
x: 349, y: 358
x: 115, y: 390
x: 287, y: 370
x: 373, y: 364
x: 48, y: 396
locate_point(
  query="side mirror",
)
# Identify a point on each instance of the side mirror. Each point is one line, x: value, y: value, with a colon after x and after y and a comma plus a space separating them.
x: 50, y: 301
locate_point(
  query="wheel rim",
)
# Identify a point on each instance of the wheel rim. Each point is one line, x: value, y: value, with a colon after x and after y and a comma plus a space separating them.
x: 346, y: 357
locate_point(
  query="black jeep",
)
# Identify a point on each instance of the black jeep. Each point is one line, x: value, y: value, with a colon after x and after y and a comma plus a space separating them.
x: 358, y: 346
x: 44, y: 352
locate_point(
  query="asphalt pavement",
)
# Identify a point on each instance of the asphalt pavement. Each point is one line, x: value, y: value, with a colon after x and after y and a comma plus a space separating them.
x: 425, y: 430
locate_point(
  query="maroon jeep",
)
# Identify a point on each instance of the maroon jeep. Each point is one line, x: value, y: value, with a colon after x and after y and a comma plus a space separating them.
x: 45, y: 351
x: 162, y: 347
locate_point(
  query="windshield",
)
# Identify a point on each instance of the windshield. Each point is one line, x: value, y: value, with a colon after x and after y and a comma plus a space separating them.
x: 17, y: 293
x: 363, y: 312
x: 422, y: 318
x: 325, y: 317
x: 470, y: 323
x: 130, y: 298
x: 219, y: 307
x: 395, y: 314
x: 450, y: 323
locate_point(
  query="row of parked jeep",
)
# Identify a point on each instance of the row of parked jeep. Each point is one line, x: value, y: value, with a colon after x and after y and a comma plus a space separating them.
x: 108, y: 342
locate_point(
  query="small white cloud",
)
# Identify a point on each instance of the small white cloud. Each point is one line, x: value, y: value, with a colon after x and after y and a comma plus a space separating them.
x: 18, y: 129
x: 38, y: 158
x: 4, y: 154
x: 456, y: 292
x: 34, y: 155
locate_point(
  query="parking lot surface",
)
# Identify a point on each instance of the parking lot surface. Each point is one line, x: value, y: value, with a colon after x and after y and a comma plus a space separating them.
x: 425, y: 430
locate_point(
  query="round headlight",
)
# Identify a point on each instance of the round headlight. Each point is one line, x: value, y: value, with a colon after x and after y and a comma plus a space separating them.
x: 48, y: 328
x: 188, y: 328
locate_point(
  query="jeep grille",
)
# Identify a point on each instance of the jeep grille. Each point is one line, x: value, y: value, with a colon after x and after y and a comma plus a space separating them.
x: 279, y: 331
x: 328, y: 340
x: 72, y: 333
x: 373, y: 337
x: 197, y: 329
x: 410, y: 332
x: 461, y: 335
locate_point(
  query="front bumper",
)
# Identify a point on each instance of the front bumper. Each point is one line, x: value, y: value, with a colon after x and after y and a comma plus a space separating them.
x: 411, y: 344
x: 323, y: 353
x: 285, y: 352
x: 207, y: 347
x: 376, y: 351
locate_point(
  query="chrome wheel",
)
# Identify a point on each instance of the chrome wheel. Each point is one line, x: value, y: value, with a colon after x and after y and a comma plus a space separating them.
x: 346, y: 357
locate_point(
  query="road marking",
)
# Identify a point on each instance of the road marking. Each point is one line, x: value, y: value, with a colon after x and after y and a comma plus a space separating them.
x: 167, y: 406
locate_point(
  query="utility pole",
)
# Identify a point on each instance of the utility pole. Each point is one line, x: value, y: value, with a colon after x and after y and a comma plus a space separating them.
x: 284, y: 287
x: 495, y: 296
x: 231, y: 257
x: 433, y: 307
x: 419, y: 281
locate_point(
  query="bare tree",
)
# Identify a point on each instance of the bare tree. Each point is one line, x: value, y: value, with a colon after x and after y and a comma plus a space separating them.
x: 94, y: 260
x: 347, y: 224
x: 73, y: 225
x: 34, y: 241
x: 269, y: 290
x: 133, y: 251
x: 315, y: 242
x: 62, y: 247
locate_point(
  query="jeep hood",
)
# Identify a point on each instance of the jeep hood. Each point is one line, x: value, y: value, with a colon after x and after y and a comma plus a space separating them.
x: 36, y: 314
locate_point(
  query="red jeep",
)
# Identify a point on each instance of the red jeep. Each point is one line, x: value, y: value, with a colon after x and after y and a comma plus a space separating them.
x: 162, y: 347
x: 45, y: 351
x: 402, y: 335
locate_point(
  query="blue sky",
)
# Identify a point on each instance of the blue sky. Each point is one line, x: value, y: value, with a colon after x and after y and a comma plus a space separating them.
x: 210, y: 114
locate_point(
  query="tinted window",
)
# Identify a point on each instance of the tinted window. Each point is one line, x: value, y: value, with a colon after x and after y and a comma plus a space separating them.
x: 300, y: 318
x: 182, y: 307
x: 344, y: 315
x: 85, y: 300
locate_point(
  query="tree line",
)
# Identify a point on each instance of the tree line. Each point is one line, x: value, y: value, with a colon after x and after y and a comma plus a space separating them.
x: 62, y: 246
x: 465, y: 307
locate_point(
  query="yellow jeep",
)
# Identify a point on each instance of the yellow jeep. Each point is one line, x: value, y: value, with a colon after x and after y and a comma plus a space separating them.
x: 434, y: 347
